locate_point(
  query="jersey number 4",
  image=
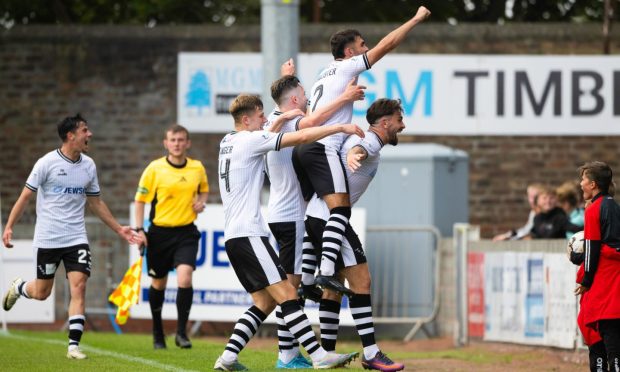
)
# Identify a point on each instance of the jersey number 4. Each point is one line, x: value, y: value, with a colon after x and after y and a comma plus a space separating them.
x: 225, y: 174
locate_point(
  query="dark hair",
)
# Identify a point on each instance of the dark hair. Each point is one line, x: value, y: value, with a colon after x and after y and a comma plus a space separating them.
x: 283, y: 85
x: 341, y: 39
x: 244, y: 104
x: 600, y: 173
x: 69, y: 124
x: 382, y: 107
x: 176, y: 128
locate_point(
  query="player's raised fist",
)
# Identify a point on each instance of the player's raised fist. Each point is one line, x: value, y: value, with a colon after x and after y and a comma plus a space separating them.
x: 422, y: 13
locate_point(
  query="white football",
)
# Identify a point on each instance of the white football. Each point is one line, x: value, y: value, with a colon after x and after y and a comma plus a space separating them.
x: 575, y: 243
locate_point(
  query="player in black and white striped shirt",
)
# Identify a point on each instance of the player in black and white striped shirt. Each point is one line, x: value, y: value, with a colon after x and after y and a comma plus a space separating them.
x: 287, y: 207
x: 241, y: 164
x: 385, y: 117
x: 64, y: 180
x: 318, y: 164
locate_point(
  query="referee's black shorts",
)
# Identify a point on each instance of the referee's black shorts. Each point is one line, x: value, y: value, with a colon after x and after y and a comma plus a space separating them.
x: 169, y: 247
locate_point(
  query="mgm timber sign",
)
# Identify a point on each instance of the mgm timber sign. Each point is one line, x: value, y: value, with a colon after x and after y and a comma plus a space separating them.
x: 441, y: 94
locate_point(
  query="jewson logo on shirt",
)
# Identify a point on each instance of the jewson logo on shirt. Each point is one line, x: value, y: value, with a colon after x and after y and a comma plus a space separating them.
x: 68, y: 190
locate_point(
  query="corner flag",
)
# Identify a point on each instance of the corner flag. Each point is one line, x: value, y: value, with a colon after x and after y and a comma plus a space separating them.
x: 127, y: 292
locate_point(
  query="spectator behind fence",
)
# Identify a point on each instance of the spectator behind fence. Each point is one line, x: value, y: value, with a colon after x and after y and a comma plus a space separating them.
x: 550, y: 222
x: 532, y: 191
x: 569, y: 199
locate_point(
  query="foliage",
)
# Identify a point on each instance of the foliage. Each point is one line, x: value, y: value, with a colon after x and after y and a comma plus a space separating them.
x: 228, y: 12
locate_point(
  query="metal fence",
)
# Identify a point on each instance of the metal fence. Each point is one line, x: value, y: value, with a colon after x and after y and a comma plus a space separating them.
x: 404, y: 263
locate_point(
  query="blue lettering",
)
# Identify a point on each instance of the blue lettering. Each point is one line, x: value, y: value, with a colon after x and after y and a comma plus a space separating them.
x: 202, y: 249
x: 256, y: 78
x: 371, y: 97
x: 424, y: 82
x: 222, y: 77
x: 218, y: 249
x: 238, y: 78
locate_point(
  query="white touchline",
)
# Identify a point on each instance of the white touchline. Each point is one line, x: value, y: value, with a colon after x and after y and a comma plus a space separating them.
x: 95, y: 350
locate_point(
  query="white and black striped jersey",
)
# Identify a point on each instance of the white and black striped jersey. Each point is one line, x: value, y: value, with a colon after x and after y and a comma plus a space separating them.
x: 358, y: 180
x: 241, y: 164
x: 286, y: 203
x: 330, y: 84
x: 62, y: 186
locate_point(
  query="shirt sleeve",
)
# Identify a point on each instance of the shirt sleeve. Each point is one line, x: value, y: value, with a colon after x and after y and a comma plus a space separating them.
x: 203, y: 187
x: 37, y: 176
x: 354, y: 66
x: 263, y: 141
x: 93, y: 187
x: 592, y: 242
x: 146, y: 187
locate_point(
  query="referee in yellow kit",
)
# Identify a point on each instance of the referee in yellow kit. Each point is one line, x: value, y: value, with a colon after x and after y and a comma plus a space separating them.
x: 177, y: 188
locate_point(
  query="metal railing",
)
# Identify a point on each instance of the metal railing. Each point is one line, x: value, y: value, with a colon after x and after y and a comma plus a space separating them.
x: 386, y: 305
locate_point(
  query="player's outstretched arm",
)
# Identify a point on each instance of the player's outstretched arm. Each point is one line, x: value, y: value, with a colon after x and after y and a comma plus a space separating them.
x: 352, y: 93
x: 103, y: 212
x: 15, y: 215
x: 309, y: 135
x: 277, y: 124
x: 394, y: 38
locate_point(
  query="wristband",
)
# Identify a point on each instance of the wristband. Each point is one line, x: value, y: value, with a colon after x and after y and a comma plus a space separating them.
x: 138, y: 229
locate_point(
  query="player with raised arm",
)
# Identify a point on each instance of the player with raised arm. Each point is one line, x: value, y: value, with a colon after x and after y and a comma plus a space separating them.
x: 241, y: 176
x: 362, y: 155
x: 63, y: 180
x: 318, y: 165
x: 286, y: 206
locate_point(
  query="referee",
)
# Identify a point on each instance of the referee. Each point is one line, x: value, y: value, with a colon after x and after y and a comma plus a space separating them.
x: 176, y: 186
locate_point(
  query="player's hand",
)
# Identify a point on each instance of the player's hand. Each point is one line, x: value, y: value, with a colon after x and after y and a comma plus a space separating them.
x: 354, y: 160
x: 128, y: 234
x: 580, y: 290
x: 6, y: 237
x: 291, y: 114
x: 422, y: 13
x: 352, y: 129
x: 287, y: 68
x: 198, y: 206
x: 354, y: 92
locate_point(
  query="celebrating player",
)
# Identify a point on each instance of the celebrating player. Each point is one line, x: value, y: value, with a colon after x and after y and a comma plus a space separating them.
x: 286, y: 207
x: 241, y: 164
x: 362, y: 155
x: 318, y: 164
x: 64, y: 180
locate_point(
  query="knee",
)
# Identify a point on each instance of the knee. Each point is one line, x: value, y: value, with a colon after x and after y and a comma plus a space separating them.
x: 266, y: 305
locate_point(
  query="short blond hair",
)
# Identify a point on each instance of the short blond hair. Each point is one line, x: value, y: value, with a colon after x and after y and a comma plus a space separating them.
x: 244, y: 104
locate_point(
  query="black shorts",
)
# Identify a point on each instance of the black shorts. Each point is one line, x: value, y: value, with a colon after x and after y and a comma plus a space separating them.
x: 169, y: 247
x: 255, y: 262
x: 319, y: 170
x: 351, y: 252
x: 75, y: 258
x: 290, y: 236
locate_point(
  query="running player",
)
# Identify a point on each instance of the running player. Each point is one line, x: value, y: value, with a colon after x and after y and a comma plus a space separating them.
x: 385, y: 117
x: 318, y: 164
x: 64, y: 180
x: 241, y: 165
x: 286, y: 207
x: 177, y: 188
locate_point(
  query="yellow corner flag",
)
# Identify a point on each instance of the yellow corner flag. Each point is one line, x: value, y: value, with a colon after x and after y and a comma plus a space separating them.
x: 127, y: 292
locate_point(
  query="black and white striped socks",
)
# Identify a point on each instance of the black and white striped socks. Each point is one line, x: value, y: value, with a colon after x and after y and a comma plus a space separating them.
x: 332, y: 238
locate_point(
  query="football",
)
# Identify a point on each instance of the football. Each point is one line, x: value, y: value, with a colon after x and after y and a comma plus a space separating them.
x: 575, y: 243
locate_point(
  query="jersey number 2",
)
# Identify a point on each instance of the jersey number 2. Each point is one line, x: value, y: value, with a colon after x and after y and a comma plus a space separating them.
x: 318, y: 92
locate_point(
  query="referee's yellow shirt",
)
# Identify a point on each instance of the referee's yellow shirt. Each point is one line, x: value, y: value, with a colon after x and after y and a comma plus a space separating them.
x: 172, y: 190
